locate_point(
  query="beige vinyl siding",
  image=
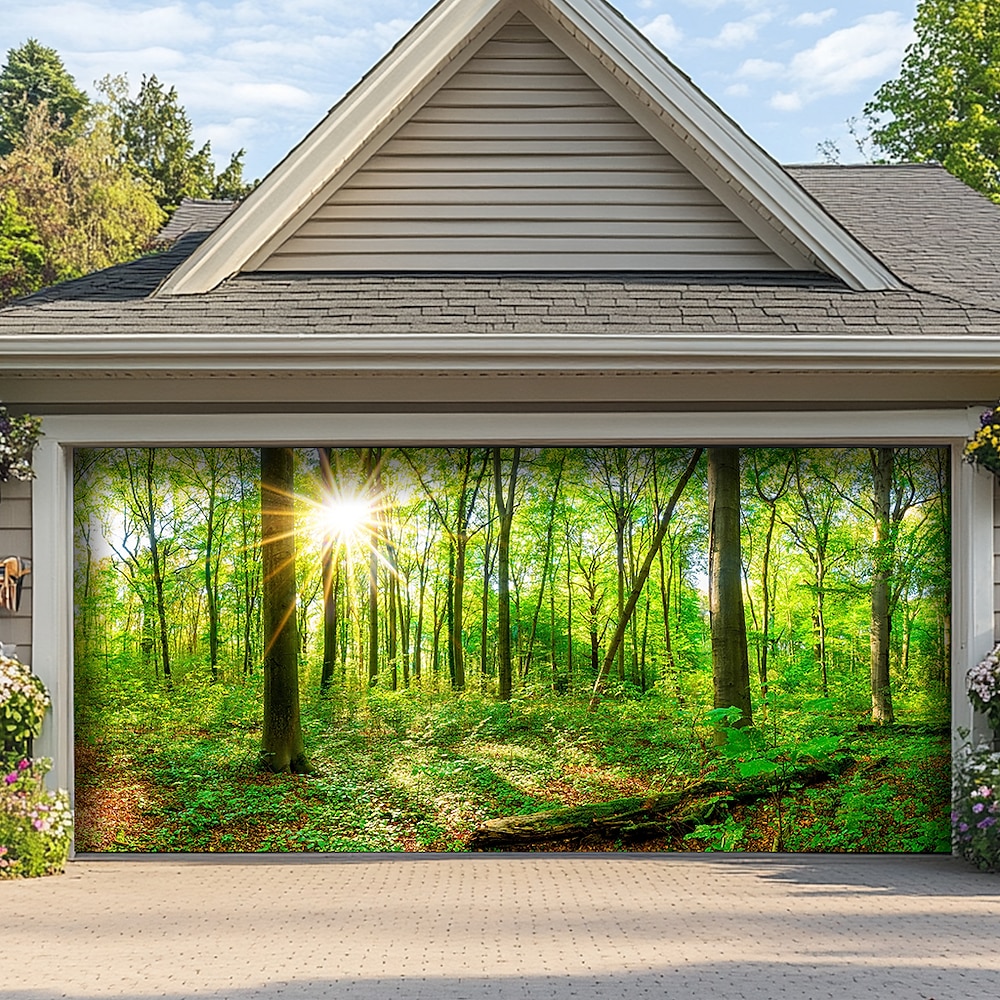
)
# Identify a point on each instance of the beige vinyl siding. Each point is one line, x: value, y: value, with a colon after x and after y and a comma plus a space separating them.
x: 15, y: 540
x: 520, y: 161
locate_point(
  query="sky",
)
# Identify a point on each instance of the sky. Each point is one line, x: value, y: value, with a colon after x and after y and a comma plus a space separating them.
x: 258, y: 74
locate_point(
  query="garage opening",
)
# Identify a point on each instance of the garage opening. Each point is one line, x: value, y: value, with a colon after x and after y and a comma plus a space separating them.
x: 578, y: 648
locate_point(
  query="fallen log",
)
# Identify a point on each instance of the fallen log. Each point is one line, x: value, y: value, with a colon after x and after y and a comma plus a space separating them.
x: 640, y: 818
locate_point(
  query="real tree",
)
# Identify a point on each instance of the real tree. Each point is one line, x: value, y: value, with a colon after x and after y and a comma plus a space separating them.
x: 33, y: 76
x: 945, y: 104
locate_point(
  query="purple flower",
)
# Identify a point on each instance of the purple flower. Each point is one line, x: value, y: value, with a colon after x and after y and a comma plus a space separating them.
x: 954, y: 817
x: 963, y: 827
x: 985, y: 824
x: 11, y: 778
x: 978, y: 807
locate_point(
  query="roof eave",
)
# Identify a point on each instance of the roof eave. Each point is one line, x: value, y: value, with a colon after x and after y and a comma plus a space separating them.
x: 486, y: 353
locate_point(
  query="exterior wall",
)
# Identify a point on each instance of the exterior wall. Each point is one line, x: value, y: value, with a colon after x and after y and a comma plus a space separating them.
x: 521, y: 161
x: 15, y: 540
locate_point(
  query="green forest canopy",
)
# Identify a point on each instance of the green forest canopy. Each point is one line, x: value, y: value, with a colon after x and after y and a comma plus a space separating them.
x: 397, y: 556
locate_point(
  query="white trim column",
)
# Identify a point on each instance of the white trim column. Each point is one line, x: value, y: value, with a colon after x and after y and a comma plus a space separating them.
x: 52, y: 592
x: 972, y: 583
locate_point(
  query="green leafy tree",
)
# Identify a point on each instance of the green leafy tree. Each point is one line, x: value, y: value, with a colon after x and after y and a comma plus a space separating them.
x: 945, y: 103
x: 155, y: 137
x: 68, y: 209
x: 35, y: 75
x: 22, y: 254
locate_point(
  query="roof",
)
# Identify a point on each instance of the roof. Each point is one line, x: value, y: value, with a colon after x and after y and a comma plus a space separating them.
x: 194, y: 215
x: 933, y: 231
x: 954, y: 285
x: 617, y: 58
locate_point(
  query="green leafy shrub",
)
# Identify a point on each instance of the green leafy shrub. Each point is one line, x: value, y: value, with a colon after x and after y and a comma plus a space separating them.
x: 36, y: 825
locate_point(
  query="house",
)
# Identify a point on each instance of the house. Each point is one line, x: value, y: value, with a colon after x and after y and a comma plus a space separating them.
x: 524, y: 225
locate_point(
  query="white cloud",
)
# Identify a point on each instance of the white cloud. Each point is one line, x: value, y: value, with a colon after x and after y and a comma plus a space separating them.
x: 737, y: 90
x: 813, y: 18
x: 846, y: 59
x: 782, y: 101
x: 838, y: 63
x: 738, y: 34
x: 662, y: 32
x: 760, y: 69
x: 92, y: 25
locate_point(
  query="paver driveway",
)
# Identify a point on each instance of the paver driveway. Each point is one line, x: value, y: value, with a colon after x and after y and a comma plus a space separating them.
x: 504, y: 926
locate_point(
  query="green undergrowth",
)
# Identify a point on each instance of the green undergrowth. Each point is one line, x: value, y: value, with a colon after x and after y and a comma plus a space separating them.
x: 176, y: 770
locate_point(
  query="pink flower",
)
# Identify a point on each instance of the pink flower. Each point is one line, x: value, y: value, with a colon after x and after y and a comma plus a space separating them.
x: 23, y: 765
x: 11, y: 778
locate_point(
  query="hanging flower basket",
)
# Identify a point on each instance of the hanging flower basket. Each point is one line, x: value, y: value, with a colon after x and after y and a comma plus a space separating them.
x: 18, y: 438
x: 984, y: 687
x: 983, y: 448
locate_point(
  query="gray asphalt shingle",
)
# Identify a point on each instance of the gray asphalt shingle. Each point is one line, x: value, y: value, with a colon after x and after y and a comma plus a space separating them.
x: 939, y: 237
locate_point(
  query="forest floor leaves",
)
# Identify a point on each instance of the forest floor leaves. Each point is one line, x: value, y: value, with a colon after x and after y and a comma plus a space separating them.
x: 407, y: 771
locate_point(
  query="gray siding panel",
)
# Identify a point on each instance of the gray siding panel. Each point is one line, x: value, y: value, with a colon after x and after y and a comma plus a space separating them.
x: 522, y: 162
x: 15, y: 540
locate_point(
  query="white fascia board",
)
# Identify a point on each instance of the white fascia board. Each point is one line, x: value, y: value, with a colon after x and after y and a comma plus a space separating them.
x: 739, y: 155
x: 553, y: 353
x: 812, y: 427
x: 332, y: 143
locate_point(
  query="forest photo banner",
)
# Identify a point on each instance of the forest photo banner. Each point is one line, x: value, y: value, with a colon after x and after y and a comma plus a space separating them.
x: 481, y: 648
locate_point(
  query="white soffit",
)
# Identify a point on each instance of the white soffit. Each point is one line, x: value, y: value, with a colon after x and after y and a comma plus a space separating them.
x: 620, y: 60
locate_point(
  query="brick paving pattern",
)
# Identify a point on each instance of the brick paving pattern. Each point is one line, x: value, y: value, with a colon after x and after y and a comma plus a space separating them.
x: 513, y: 926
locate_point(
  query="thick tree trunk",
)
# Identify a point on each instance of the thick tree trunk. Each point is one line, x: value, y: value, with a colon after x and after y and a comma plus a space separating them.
x: 281, y: 747
x: 882, y: 473
x: 730, y: 663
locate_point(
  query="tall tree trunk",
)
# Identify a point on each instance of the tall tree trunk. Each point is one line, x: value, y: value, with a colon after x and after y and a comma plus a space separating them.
x: 546, y: 559
x: 505, y: 508
x: 331, y: 598
x: 282, y: 748
x: 393, y: 600
x: 154, y: 553
x: 882, y: 472
x: 370, y: 460
x: 211, y: 579
x: 730, y: 663
x: 569, y: 616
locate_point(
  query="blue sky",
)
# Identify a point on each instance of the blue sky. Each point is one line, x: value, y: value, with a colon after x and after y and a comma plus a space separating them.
x: 260, y: 73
